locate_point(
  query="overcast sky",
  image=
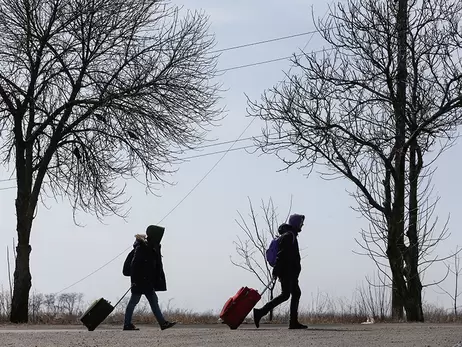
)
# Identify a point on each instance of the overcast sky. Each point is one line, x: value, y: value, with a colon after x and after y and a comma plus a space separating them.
x: 199, y: 234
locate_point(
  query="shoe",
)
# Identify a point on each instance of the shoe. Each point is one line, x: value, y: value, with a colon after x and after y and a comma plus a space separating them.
x: 130, y: 327
x: 297, y: 325
x: 257, y: 316
x: 167, y: 325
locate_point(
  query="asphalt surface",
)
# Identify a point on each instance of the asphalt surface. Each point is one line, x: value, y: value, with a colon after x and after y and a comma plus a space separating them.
x: 383, y: 335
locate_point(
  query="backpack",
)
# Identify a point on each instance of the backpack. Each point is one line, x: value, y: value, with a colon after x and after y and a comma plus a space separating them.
x: 273, y: 249
x: 272, y: 252
x: 128, y: 263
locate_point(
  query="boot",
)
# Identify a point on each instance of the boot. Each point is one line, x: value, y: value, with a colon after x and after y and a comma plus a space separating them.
x: 130, y: 327
x: 167, y: 325
x: 295, y: 324
x: 257, y: 316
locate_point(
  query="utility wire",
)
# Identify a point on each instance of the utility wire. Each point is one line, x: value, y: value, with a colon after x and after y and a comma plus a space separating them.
x: 192, y: 156
x: 215, y: 144
x: 281, y: 38
x: 272, y: 60
x: 218, y: 152
x: 170, y: 212
x: 8, y: 188
x: 185, y: 158
x: 224, y: 152
x: 237, y: 68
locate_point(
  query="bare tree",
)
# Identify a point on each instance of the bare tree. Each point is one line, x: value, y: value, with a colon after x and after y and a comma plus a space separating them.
x: 10, y: 282
x: 35, y: 305
x: 93, y: 92
x: 384, y: 94
x: 5, y: 303
x: 69, y: 303
x: 251, y: 250
x: 374, y: 298
x: 429, y: 236
x: 50, y: 304
x: 455, y: 270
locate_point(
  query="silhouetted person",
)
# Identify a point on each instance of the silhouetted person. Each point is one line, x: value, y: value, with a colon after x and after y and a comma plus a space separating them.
x: 147, y: 276
x: 287, y: 269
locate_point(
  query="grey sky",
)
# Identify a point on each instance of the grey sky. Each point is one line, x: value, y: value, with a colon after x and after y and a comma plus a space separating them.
x: 199, y: 234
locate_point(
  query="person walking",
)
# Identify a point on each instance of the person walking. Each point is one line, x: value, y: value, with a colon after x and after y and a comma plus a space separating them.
x: 147, y: 275
x: 287, y: 269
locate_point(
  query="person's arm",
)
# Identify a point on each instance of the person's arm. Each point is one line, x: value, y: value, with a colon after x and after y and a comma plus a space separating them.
x: 136, y: 266
x: 281, y: 258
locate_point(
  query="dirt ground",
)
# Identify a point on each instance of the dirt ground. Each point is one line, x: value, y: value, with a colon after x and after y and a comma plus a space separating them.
x: 383, y: 335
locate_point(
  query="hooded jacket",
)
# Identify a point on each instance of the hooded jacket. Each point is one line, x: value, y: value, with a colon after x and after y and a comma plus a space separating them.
x: 288, y: 260
x: 146, y: 271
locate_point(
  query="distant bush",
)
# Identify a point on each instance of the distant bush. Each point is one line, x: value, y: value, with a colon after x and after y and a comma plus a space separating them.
x: 67, y: 308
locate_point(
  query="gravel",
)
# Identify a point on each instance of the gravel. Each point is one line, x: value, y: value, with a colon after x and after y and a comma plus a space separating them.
x: 383, y: 335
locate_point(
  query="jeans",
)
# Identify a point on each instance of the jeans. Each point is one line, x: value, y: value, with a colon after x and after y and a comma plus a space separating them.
x: 153, y: 302
x: 289, y: 288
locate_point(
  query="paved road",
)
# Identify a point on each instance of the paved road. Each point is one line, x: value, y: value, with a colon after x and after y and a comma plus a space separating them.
x: 382, y: 335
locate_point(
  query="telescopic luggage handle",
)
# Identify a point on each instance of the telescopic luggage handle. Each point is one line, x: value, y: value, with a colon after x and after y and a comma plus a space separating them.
x: 118, y: 302
x: 272, y: 283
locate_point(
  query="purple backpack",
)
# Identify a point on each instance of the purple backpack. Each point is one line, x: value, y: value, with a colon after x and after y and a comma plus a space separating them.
x: 272, y: 251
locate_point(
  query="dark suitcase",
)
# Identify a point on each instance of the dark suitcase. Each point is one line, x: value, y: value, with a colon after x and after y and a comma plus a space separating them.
x: 239, y: 306
x: 98, y: 312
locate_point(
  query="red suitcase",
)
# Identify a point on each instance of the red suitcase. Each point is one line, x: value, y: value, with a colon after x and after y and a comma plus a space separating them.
x: 239, y: 306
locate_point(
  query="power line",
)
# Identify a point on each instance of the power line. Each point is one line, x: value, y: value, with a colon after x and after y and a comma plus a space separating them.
x: 217, y: 152
x: 186, y: 158
x: 255, y: 43
x: 281, y: 38
x: 225, y: 70
x: 277, y: 39
x: 242, y: 67
x: 7, y: 179
x: 272, y: 60
x: 228, y: 142
x: 210, y: 171
x: 92, y: 273
x: 189, y: 157
x: 196, y: 156
x: 7, y: 188
x: 171, y: 211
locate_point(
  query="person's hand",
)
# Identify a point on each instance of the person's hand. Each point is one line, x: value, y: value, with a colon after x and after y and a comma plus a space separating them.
x: 275, y: 274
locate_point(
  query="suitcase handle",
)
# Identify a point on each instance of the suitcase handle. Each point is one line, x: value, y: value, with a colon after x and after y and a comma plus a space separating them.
x: 272, y: 283
x: 118, y: 302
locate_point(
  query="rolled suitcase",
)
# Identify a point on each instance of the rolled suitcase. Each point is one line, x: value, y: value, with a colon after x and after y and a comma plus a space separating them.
x: 98, y: 312
x: 239, y: 306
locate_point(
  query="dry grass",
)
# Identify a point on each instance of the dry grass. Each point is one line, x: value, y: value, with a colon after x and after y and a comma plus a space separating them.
x: 66, y: 309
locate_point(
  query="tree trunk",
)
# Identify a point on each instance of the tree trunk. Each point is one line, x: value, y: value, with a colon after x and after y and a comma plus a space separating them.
x: 413, y: 303
x: 22, y: 285
x: 397, y: 304
x: 22, y: 275
x: 396, y: 244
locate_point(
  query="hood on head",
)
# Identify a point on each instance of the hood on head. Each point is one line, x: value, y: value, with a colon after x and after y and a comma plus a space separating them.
x: 283, y: 228
x: 155, y: 234
x: 296, y: 221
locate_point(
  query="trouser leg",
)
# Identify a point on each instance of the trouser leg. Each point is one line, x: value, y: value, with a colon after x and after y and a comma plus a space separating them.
x: 134, y: 300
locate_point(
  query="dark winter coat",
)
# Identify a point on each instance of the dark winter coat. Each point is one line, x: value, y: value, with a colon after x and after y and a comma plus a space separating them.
x: 288, y: 260
x: 146, y: 271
